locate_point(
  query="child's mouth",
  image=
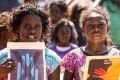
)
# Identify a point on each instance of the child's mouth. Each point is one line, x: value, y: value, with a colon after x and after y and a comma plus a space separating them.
x: 31, y: 37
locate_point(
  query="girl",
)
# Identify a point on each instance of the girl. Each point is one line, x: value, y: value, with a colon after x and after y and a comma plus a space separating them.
x: 30, y: 24
x: 63, y: 38
x: 58, y: 10
x: 4, y: 31
x: 95, y: 26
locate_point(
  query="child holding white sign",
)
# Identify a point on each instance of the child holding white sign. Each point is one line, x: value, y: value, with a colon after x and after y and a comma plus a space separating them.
x: 30, y: 24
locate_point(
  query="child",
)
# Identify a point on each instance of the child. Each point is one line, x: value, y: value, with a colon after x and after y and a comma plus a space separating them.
x: 95, y: 26
x: 4, y: 32
x: 31, y: 25
x: 4, y: 36
x: 63, y: 38
x: 58, y: 10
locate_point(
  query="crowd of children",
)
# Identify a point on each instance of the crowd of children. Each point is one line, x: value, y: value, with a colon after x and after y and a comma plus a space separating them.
x: 69, y: 39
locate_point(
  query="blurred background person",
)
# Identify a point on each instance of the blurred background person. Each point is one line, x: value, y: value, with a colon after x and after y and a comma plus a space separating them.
x: 63, y: 38
x: 75, y: 17
x: 8, y: 5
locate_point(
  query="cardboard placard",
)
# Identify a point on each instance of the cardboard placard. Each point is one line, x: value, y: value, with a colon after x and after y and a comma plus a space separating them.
x: 102, y: 68
x: 30, y: 60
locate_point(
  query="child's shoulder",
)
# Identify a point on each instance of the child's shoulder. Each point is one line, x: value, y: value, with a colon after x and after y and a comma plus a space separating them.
x: 51, y: 46
x: 74, y: 45
x: 75, y: 52
x: 52, y: 59
x: 51, y: 54
x: 114, y: 52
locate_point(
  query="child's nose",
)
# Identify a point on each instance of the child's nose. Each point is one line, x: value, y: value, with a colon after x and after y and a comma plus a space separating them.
x: 32, y: 31
x: 96, y: 29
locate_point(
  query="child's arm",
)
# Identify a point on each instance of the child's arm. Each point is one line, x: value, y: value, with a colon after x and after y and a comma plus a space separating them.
x: 68, y: 75
x: 55, y: 75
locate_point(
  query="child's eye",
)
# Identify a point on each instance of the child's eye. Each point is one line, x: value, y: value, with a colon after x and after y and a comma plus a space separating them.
x: 100, y: 25
x: 91, y: 26
x: 37, y: 27
x: 27, y: 26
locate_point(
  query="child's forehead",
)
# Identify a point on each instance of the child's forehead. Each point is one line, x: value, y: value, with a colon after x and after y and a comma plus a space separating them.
x: 94, y: 15
x: 64, y: 27
x: 31, y: 16
x: 55, y: 7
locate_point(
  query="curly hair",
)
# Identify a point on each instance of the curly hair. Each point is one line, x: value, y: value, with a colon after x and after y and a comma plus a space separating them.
x: 88, y: 11
x: 4, y: 19
x: 63, y: 23
x: 27, y: 9
x: 4, y: 28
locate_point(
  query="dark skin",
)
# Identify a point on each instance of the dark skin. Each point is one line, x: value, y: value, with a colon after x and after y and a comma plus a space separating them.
x: 55, y: 75
x: 64, y: 35
x: 95, y: 29
x: 33, y: 22
x: 3, y: 37
x: 30, y: 30
x: 67, y: 73
x: 6, y: 67
x: 55, y: 14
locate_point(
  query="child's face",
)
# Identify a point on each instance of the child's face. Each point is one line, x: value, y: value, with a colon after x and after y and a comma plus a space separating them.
x: 55, y: 14
x: 95, y: 28
x: 30, y: 28
x: 64, y: 35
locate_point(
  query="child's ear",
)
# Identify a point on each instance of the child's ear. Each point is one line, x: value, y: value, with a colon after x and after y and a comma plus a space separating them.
x: 82, y: 31
x: 82, y: 28
x: 18, y: 30
x: 108, y: 28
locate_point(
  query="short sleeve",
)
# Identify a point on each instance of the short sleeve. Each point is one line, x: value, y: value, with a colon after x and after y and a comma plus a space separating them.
x: 52, y: 60
x: 3, y: 55
x: 72, y: 61
x: 113, y: 52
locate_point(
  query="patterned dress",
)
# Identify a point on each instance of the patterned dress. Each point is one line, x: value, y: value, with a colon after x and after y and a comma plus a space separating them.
x: 51, y: 58
x: 74, y: 61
